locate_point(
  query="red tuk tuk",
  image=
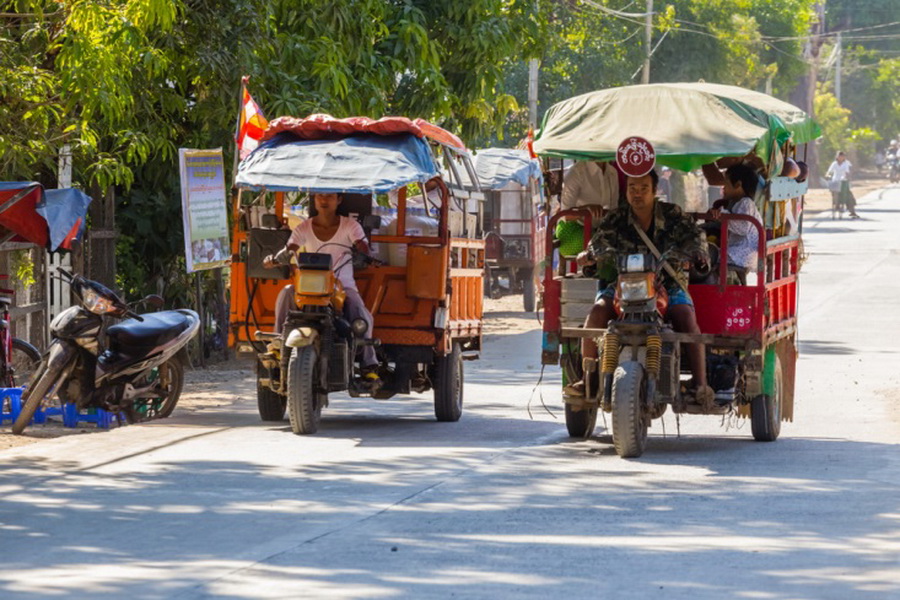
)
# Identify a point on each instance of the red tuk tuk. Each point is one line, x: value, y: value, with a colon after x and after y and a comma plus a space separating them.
x: 750, y: 328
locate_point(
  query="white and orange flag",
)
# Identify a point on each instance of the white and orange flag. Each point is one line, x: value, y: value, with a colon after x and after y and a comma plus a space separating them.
x: 251, y: 123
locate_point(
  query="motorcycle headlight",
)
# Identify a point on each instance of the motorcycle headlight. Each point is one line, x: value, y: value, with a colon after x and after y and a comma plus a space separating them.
x: 96, y: 303
x: 636, y: 288
x: 313, y: 282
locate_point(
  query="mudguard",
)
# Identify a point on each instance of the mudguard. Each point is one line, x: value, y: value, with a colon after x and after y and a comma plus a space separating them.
x: 301, y: 337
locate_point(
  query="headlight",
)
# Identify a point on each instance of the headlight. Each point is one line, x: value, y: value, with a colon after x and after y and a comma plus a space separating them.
x: 313, y: 282
x: 637, y: 288
x: 96, y: 303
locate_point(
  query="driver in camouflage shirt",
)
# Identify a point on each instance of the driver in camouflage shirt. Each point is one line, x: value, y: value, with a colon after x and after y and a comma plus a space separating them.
x: 669, y: 228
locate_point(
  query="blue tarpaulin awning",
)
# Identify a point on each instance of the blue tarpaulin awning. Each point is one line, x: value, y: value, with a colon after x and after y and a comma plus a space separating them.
x: 359, y: 164
x: 496, y: 167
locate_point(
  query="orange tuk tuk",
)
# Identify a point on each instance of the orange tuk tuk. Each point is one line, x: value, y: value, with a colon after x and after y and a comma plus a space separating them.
x: 422, y: 282
x: 749, y: 326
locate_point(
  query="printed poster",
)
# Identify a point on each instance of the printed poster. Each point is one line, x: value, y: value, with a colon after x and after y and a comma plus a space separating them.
x: 204, y: 209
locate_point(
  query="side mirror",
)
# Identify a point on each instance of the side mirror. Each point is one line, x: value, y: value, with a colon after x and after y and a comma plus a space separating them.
x: 155, y: 301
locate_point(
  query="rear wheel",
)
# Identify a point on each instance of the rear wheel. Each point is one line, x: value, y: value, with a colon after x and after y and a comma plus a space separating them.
x: 25, y: 361
x: 304, y: 401
x: 581, y: 423
x: 765, y: 409
x: 628, y: 418
x: 169, y: 378
x: 271, y: 405
x: 528, y: 291
x: 448, y: 385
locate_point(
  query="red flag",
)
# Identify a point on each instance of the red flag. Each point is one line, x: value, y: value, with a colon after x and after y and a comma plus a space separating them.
x: 251, y: 123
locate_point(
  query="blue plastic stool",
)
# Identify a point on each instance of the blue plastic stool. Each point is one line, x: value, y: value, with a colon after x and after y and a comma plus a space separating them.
x: 14, y: 396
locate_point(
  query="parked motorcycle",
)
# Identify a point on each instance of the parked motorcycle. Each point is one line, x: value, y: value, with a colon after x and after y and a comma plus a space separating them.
x: 140, y: 374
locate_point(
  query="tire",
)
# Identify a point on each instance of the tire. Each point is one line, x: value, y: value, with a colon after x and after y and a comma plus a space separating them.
x: 304, y: 402
x: 628, y: 419
x: 528, y: 291
x: 270, y: 404
x: 26, y: 360
x: 580, y: 423
x: 765, y: 409
x: 448, y: 386
x: 43, y: 384
x: 149, y: 409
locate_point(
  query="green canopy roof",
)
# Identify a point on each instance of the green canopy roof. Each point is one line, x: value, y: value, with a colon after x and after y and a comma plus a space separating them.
x: 689, y: 124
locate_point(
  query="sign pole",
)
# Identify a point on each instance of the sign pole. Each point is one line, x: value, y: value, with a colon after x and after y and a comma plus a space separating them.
x: 202, y: 313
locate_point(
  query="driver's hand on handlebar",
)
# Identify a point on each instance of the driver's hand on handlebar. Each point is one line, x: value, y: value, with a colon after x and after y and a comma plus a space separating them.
x: 585, y: 258
x: 282, y: 257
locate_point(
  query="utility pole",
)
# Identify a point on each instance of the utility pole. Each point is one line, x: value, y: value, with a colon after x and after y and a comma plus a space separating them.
x: 532, y: 92
x: 837, y: 68
x: 648, y: 40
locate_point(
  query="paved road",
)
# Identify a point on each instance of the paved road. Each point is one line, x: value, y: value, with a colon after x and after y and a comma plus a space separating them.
x: 386, y: 503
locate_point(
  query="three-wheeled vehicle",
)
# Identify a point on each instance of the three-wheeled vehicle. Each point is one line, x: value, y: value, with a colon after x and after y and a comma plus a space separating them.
x: 423, y: 284
x: 514, y: 222
x: 750, y: 330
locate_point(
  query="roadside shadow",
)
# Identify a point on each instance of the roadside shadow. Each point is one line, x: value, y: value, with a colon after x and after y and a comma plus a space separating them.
x: 690, y: 511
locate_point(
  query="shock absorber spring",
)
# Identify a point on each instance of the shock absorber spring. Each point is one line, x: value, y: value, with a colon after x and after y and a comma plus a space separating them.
x: 654, y: 352
x: 610, y: 353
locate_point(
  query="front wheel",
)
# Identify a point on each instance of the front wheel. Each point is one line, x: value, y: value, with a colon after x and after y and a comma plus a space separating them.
x: 765, y: 409
x: 43, y: 385
x: 448, y: 385
x: 628, y: 417
x: 304, y: 401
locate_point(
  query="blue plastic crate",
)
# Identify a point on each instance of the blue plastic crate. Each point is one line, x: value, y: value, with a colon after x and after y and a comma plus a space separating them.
x: 11, y: 398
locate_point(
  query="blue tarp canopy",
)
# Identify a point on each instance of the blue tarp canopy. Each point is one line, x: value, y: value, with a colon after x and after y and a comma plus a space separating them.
x: 359, y: 164
x: 496, y: 167
x: 48, y: 218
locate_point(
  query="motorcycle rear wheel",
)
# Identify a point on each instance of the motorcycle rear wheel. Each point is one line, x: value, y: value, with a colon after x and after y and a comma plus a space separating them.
x: 148, y: 409
x: 304, y: 401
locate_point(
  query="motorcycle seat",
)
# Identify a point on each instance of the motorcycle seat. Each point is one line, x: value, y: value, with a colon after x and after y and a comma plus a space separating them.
x: 155, y: 330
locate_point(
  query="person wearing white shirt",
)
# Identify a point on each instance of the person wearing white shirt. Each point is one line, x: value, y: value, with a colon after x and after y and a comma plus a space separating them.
x: 838, y: 176
x: 739, y: 187
x: 333, y: 234
x: 591, y: 184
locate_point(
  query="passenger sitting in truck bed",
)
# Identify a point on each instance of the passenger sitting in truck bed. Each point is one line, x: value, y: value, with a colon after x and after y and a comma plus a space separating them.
x: 740, y: 183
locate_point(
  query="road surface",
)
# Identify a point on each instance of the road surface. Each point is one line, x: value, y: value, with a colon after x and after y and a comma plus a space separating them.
x: 384, y: 502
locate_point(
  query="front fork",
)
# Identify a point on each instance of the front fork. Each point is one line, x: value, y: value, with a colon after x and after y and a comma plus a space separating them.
x: 609, y: 361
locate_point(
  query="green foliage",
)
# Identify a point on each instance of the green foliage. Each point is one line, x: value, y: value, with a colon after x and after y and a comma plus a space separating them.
x: 22, y: 265
x: 834, y: 120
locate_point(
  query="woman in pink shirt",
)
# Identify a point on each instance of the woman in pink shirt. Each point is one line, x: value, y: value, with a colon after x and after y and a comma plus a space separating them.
x: 333, y: 234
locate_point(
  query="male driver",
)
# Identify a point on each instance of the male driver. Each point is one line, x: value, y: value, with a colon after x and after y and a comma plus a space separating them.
x: 668, y: 228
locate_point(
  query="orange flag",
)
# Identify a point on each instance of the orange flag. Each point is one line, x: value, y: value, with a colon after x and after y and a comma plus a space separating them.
x: 251, y: 123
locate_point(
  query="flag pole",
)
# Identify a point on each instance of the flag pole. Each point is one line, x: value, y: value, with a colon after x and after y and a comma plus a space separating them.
x: 237, y: 128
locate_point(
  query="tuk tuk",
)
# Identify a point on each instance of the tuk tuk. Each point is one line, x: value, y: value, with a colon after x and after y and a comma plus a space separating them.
x: 514, y: 222
x: 749, y: 329
x: 422, y: 282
